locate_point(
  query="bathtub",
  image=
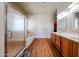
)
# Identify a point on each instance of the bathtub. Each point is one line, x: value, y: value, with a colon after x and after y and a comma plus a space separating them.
x: 29, y: 40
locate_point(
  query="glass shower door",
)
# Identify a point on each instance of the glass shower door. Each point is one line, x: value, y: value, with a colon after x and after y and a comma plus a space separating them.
x: 15, y: 32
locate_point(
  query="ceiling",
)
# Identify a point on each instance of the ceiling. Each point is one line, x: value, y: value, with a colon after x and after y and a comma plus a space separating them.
x: 43, y: 7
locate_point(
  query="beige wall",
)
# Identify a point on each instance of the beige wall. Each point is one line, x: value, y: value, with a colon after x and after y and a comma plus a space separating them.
x: 2, y: 30
x: 41, y: 25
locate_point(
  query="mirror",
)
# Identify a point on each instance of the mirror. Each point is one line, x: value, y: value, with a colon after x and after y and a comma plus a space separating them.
x: 15, y: 32
x: 76, y: 21
x: 61, y: 25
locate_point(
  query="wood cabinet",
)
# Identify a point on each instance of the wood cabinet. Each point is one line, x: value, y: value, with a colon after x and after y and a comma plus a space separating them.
x: 75, y: 49
x: 58, y: 44
x: 53, y: 39
x: 66, y: 47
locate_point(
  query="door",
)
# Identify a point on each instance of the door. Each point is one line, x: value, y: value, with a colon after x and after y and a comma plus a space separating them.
x: 15, y: 32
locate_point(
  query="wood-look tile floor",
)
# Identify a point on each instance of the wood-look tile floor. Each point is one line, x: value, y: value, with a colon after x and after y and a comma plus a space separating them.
x: 40, y: 48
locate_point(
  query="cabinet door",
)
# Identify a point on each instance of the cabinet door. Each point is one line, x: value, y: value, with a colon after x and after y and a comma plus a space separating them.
x: 75, y: 49
x: 66, y: 47
x: 58, y: 41
x: 53, y: 38
x: 70, y: 48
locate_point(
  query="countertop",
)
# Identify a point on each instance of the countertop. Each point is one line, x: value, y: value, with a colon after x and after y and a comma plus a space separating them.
x: 68, y: 35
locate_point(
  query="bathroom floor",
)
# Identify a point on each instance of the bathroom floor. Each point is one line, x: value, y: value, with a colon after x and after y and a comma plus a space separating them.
x: 41, y: 48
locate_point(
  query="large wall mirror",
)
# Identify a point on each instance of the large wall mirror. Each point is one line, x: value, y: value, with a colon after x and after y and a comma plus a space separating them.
x: 15, y: 32
x: 61, y: 25
x: 76, y: 18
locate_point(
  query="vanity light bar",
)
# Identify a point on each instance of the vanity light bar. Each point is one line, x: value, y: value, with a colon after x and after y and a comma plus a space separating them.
x: 72, y: 5
x: 71, y: 8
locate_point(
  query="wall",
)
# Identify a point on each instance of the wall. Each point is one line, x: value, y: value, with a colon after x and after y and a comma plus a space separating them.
x: 41, y: 25
x: 2, y: 29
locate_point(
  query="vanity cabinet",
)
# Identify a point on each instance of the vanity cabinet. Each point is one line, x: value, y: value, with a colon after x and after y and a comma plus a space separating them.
x: 65, y: 46
x: 58, y: 42
x: 53, y: 39
x: 75, y: 48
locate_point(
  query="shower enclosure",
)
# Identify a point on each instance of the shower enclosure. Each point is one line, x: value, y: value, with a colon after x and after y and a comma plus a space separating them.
x: 16, y: 26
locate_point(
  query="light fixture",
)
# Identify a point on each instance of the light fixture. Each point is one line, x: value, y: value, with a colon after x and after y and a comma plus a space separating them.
x: 74, y: 6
